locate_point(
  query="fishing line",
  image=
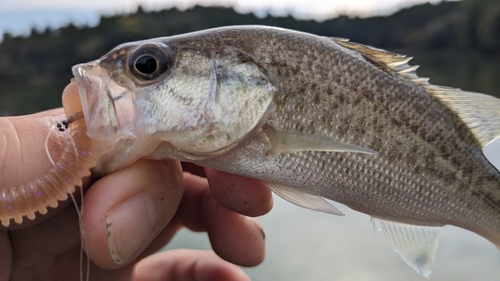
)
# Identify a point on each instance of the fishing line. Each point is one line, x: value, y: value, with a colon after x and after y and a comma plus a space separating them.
x: 79, y: 211
x: 47, y: 146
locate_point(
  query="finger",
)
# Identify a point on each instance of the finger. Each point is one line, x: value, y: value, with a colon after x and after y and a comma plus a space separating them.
x: 23, y: 143
x: 234, y: 237
x: 125, y: 211
x: 188, y: 265
x: 198, y: 211
x: 243, y: 195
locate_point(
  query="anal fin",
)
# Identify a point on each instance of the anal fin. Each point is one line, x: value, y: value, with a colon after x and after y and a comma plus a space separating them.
x: 303, y: 199
x: 414, y: 243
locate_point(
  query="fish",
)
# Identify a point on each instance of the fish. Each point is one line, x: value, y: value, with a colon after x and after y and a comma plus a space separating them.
x: 312, y: 118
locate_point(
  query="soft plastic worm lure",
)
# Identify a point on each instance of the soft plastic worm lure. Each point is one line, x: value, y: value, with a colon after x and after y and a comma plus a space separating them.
x: 78, y: 156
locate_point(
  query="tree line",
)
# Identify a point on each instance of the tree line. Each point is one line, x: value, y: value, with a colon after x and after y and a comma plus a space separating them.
x: 34, y: 70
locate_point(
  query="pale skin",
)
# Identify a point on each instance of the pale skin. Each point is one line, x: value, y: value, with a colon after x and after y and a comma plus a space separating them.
x: 48, y: 248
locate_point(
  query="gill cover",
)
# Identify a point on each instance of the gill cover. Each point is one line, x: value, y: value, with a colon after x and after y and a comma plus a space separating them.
x: 236, y: 99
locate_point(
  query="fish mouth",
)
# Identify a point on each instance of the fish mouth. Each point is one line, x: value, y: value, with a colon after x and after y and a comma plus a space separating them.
x: 96, y: 94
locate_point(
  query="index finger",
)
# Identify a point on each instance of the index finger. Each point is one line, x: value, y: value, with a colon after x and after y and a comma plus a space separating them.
x: 244, y: 195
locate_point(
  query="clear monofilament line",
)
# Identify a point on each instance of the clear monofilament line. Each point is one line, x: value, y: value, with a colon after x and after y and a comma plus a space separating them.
x: 47, y: 146
x: 83, y: 245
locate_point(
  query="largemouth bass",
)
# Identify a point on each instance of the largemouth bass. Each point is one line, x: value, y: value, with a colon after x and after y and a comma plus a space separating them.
x: 312, y: 118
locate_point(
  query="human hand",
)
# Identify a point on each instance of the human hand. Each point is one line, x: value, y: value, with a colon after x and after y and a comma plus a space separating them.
x: 146, y: 204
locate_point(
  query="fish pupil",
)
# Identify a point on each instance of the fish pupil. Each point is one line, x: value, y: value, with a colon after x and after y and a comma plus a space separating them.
x: 149, y: 63
x: 146, y: 64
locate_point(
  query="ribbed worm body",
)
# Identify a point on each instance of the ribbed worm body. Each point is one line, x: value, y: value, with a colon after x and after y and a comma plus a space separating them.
x: 77, y: 157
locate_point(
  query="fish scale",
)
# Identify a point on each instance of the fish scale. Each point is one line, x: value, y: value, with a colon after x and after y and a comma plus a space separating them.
x: 313, y: 117
x: 418, y: 114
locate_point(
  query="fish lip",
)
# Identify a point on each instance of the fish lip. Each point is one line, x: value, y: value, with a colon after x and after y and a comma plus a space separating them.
x: 100, y: 115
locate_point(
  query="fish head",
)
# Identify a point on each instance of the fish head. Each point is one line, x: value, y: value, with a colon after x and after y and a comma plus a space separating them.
x: 200, y: 99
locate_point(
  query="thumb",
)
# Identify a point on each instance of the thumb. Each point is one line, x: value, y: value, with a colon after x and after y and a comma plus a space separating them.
x: 23, y: 153
x: 126, y: 210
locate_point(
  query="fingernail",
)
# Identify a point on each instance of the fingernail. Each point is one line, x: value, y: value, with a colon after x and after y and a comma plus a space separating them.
x: 130, y: 227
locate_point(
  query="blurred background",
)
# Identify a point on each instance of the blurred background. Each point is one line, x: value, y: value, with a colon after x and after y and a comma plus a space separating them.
x: 457, y: 43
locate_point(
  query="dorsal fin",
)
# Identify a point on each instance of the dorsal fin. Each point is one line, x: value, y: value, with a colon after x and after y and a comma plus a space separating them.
x: 480, y: 112
x: 391, y: 63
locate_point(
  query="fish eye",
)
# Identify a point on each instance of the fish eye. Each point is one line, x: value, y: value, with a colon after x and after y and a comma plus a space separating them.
x: 146, y: 65
x: 149, y: 62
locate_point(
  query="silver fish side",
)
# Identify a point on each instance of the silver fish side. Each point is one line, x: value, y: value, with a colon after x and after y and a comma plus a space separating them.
x: 322, y: 116
x: 429, y: 169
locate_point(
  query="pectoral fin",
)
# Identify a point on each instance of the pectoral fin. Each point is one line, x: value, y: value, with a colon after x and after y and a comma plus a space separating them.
x: 415, y: 244
x: 303, y: 199
x: 283, y: 142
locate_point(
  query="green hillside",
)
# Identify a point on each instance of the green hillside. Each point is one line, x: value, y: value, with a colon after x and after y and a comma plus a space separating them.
x: 34, y: 70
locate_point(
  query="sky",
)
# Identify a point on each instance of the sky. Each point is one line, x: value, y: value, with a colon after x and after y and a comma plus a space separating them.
x: 19, y: 17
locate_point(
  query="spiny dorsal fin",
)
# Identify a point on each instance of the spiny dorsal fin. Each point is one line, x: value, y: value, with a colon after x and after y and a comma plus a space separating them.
x: 391, y: 63
x: 480, y: 112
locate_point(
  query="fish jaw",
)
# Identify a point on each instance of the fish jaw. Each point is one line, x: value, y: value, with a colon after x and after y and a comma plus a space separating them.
x: 110, y: 114
x: 108, y: 107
